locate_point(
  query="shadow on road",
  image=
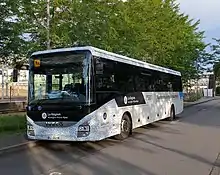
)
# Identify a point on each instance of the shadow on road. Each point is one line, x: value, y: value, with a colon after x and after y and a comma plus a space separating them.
x: 160, y: 126
x: 87, y: 158
x: 192, y: 156
x: 73, y: 162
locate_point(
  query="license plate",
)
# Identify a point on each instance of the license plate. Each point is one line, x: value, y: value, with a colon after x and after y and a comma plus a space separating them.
x: 55, y: 137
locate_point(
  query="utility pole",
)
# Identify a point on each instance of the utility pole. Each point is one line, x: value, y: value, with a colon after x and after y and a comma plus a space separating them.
x: 6, y: 82
x: 48, y: 24
x: 197, y: 80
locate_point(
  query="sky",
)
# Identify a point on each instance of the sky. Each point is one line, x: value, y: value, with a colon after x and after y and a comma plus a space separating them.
x: 208, y: 12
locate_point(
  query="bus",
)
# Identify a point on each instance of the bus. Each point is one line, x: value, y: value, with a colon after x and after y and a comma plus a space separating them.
x: 88, y: 94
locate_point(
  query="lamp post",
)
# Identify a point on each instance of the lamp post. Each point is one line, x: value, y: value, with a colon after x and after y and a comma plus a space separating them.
x: 3, y: 81
x: 197, y: 79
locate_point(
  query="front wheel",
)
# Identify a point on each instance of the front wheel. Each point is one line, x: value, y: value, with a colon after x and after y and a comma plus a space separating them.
x: 126, y: 127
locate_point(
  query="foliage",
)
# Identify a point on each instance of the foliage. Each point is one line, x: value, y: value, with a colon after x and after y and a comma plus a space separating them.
x: 216, y: 48
x: 193, y: 96
x: 12, y: 46
x: 215, y: 59
x: 5, y: 29
x: 216, y: 69
x: 217, y: 90
x: 149, y: 30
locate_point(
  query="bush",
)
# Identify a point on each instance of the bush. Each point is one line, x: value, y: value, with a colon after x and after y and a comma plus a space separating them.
x: 218, y: 90
x: 191, y: 97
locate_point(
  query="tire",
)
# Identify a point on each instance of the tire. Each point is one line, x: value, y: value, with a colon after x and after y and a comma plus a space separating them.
x: 126, y: 128
x: 172, y: 114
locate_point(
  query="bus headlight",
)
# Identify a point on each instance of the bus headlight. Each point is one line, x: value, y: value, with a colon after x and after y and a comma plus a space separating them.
x: 30, y: 130
x: 30, y: 127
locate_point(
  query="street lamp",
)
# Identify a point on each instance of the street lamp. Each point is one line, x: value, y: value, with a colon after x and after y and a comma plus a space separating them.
x: 197, y: 79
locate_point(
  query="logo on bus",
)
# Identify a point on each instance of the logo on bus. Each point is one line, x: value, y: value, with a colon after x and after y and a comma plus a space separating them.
x: 44, y: 115
x: 125, y: 100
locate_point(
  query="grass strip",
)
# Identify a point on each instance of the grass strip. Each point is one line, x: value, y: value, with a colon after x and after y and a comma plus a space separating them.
x: 12, y: 123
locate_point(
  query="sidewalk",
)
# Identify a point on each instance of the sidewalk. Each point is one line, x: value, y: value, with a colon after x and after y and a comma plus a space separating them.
x: 13, y: 99
x: 202, y: 100
x: 17, y: 139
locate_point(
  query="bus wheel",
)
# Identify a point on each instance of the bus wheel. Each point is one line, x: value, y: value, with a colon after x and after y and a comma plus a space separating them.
x: 172, y: 113
x: 125, y: 128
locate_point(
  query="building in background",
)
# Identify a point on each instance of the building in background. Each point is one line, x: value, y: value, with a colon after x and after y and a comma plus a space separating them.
x: 8, y: 88
x: 204, y: 84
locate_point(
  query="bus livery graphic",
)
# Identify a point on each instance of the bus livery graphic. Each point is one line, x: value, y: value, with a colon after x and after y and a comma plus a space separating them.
x: 89, y: 94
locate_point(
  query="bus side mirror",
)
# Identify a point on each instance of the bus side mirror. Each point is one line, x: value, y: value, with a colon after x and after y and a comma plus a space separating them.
x: 15, y: 75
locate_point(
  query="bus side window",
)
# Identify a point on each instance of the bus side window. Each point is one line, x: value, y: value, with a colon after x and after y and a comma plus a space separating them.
x: 105, y: 80
x: 167, y: 81
x: 140, y: 83
x: 169, y: 86
x: 105, y: 76
x: 157, y: 82
x: 176, y: 83
x: 124, y: 79
x: 129, y: 86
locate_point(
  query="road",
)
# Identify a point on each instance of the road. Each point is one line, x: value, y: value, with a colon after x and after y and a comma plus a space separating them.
x: 188, y: 146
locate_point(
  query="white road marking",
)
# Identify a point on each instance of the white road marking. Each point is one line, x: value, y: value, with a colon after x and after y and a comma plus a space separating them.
x: 55, y: 173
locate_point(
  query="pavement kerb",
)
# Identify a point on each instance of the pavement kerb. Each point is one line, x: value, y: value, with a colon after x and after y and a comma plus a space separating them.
x: 216, y: 166
x: 33, y: 143
x: 9, y: 148
x: 197, y: 103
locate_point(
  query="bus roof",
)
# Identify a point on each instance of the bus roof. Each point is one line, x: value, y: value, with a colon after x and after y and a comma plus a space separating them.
x: 111, y: 56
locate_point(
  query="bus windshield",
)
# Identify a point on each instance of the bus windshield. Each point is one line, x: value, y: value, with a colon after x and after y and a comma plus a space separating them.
x: 60, y: 77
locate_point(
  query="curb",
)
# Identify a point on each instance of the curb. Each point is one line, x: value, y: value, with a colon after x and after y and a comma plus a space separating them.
x: 7, y: 149
x: 216, y: 169
x: 190, y: 105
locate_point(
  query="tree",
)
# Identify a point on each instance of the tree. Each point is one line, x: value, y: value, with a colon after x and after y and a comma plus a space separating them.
x: 150, y: 30
x: 5, y: 30
x: 216, y: 59
x: 216, y: 48
x: 12, y: 44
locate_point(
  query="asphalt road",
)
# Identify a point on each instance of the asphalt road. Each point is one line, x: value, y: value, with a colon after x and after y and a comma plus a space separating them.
x: 188, y: 146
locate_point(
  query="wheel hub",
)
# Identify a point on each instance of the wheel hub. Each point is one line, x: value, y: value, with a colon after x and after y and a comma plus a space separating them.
x: 125, y: 126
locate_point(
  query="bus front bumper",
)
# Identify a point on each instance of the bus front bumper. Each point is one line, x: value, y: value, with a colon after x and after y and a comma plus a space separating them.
x: 59, y: 135
x: 73, y: 133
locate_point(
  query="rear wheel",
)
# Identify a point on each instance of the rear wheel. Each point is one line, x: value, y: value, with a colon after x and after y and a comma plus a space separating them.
x: 172, y: 113
x: 126, y: 127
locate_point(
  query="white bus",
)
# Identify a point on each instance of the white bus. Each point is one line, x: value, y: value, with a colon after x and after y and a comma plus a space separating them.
x: 88, y: 94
